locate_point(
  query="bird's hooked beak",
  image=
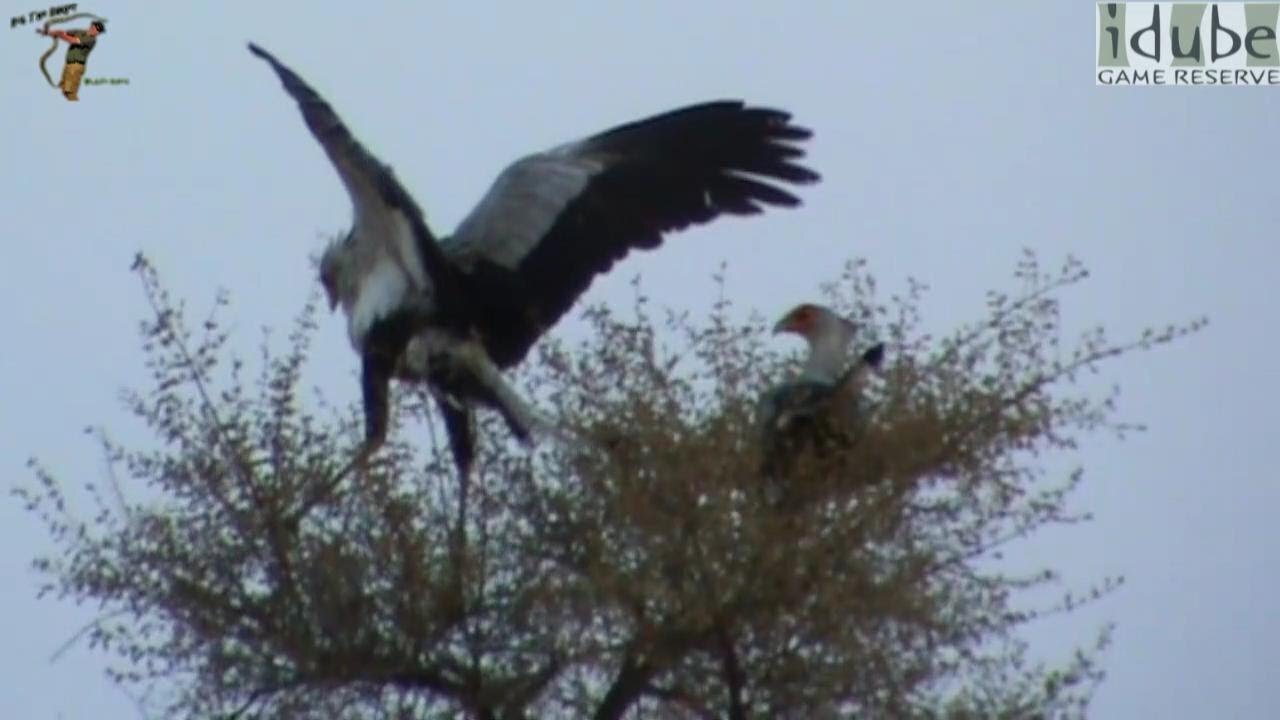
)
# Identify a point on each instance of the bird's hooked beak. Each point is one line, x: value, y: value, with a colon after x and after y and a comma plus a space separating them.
x: 333, y: 300
x: 786, y: 324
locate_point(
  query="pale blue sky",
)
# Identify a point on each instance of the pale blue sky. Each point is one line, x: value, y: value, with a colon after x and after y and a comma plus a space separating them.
x: 949, y: 137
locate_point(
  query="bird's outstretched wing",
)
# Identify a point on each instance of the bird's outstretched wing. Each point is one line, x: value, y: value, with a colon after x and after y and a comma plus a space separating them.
x: 384, y: 211
x: 396, y: 250
x: 552, y: 221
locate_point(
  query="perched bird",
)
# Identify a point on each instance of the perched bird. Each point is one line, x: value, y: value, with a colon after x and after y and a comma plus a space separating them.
x: 454, y: 312
x: 823, y: 405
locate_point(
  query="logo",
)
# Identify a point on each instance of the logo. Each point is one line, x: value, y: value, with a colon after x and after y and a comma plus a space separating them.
x: 1222, y: 43
x: 80, y: 42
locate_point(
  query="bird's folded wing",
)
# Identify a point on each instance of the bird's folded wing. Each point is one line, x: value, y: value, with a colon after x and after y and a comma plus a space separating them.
x: 797, y: 399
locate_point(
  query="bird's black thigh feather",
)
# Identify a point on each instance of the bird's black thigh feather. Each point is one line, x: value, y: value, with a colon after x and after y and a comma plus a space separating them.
x: 457, y: 423
x: 383, y: 346
x: 375, y: 380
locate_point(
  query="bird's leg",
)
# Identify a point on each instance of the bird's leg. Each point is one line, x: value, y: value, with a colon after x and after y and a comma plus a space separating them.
x: 458, y: 425
x: 524, y: 421
x: 466, y: 364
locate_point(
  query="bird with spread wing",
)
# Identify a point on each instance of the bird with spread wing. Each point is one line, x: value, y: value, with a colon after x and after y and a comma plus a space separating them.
x: 455, y: 312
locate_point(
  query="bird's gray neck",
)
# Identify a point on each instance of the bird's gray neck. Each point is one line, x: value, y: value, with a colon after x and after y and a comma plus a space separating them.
x: 828, y: 354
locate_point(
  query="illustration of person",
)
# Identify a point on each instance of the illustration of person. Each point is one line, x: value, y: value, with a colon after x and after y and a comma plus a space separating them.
x: 81, y: 42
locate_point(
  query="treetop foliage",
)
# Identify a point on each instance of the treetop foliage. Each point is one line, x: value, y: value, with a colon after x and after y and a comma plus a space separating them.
x: 647, y: 571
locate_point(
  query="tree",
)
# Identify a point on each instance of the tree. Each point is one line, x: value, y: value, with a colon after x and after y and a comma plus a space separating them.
x: 646, y: 572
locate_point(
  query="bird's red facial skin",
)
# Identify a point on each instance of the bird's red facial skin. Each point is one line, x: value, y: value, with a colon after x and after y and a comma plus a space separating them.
x: 802, y: 320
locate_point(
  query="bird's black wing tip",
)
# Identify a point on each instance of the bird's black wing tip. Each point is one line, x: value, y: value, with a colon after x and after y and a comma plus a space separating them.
x: 874, y: 356
x: 781, y: 122
x: 292, y: 82
x: 275, y: 63
x: 801, y: 131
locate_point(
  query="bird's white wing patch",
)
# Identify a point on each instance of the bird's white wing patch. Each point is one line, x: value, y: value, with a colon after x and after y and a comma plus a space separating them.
x: 521, y: 206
